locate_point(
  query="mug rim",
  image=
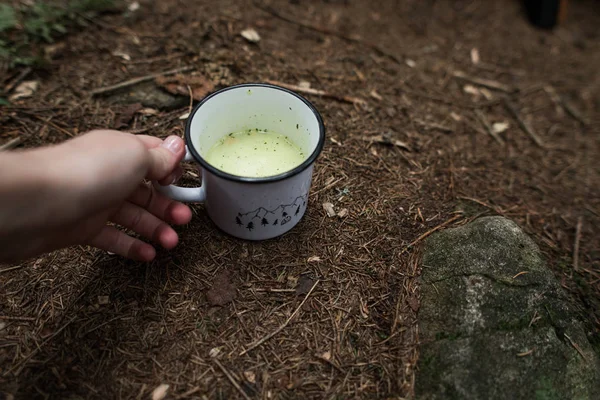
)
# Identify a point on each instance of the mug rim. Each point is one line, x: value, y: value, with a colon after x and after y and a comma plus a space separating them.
x: 300, y: 168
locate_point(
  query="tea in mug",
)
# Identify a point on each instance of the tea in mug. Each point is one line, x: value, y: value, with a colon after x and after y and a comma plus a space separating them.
x: 255, y: 153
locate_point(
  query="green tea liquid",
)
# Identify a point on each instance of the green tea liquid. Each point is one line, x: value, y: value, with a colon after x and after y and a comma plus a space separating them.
x: 254, y: 154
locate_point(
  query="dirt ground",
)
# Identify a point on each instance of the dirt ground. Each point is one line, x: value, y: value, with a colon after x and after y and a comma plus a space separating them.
x: 80, y: 323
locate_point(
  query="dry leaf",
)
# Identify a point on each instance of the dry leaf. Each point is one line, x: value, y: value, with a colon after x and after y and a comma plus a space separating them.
x: 103, y: 300
x: 376, y: 95
x: 214, y: 352
x: 25, y: 89
x: 475, y: 56
x: 305, y: 283
x: 410, y: 63
x: 222, y: 290
x: 250, y: 35
x: 182, y: 84
x: 160, y: 392
x: 126, y: 114
x: 328, y: 207
x: 386, y: 138
x: 413, y: 303
x: 250, y: 376
x: 314, y: 259
x: 499, y: 127
x: 343, y: 212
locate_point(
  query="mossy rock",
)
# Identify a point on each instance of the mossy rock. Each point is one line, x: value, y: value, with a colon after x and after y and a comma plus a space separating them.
x: 495, y: 324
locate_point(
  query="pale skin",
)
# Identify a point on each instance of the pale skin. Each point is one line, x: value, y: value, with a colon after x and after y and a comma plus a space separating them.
x: 84, y: 191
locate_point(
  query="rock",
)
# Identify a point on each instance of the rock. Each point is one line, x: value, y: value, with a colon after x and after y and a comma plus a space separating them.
x: 495, y: 324
x: 149, y: 95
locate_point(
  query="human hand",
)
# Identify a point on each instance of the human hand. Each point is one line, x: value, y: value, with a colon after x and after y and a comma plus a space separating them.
x: 71, y: 193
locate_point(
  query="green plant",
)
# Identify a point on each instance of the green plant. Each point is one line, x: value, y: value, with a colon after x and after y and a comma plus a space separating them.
x: 23, y: 25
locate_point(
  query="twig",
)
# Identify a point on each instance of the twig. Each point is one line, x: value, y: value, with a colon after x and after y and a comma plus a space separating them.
x: 484, y: 121
x: 573, y: 112
x: 316, y: 92
x: 257, y: 343
x: 576, y: 246
x: 135, y: 81
x: 19, y: 367
x: 519, y: 274
x: 17, y: 80
x: 484, y: 82
x: 331, y: 32
x: 7, y: 146
x: 231, y: 379
x: 526, y: 128
x: 525, y: 353
x: 429, y: 232
x: 10, y: 318
x: 576, y: 346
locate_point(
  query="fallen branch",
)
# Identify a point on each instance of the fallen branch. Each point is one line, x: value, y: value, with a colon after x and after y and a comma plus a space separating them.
x: 135, y: 81
x: 484, y: 121
x: 429, y: 232
x: 576, y: 245
x: 331, y: 32
x: 526, y: 128
x: 483, y: 82
x: 7, y: 146
x: 316, y: 92
x: 257, y: 343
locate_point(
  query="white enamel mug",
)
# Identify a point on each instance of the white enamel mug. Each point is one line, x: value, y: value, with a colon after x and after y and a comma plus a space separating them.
x: 252, y: 208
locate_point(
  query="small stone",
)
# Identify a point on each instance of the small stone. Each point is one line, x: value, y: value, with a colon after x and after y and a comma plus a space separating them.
x: 410, y: 63
x: 499, y: 127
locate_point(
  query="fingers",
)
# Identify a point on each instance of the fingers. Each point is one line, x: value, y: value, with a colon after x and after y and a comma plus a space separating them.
x: 141, y: 221
x: 168, y: 210
x: 165, y: 158
x: 113, y: 240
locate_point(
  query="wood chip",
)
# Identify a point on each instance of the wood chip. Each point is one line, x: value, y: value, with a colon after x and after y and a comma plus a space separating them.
x: 184, y: 116
x: 103, y: 300
x: 375, y: 95
x: 250, y: 376
x: 326, y: 356
x: 314, y: 259
x: 328, y: 207
x: 410, y: 63
x: 304, y: 84
x: 499, y: 127
x: 475, y: 56
x: 343, y: 212
x: 250, y: 35
x: 160, y: 392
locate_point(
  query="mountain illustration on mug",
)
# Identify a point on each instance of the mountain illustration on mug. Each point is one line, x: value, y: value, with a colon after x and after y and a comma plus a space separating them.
x: 262, y: 217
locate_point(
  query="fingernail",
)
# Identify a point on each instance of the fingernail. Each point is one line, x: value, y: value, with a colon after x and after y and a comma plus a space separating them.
x: 173, y: 144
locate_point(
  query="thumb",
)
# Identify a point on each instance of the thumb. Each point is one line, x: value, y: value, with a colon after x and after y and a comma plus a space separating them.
x: 165, y: 158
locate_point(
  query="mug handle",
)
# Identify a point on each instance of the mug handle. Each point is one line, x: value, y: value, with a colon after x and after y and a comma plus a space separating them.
x: 183, y: 194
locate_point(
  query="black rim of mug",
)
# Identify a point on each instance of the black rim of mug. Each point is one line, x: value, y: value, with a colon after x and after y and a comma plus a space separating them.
x: 305, y: 164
